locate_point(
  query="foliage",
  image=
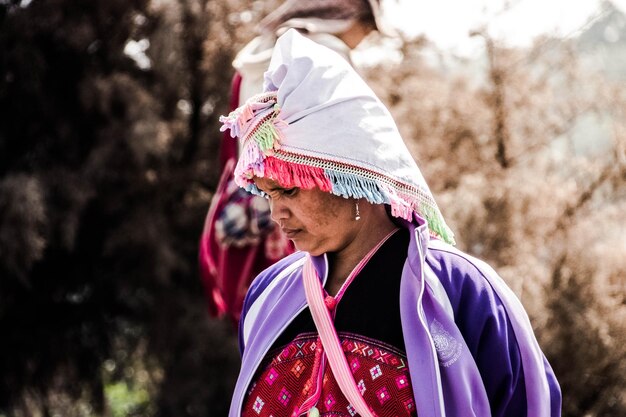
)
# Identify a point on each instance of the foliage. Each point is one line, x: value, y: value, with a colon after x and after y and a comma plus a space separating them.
x: 125, y: 401
x: 107, y: 155
x: 521, y: 190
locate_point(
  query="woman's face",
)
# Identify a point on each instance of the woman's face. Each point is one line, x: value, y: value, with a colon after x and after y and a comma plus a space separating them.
x: 316, y: 221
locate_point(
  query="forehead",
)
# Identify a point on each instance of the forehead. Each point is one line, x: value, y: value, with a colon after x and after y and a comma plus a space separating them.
x: 266, y: 184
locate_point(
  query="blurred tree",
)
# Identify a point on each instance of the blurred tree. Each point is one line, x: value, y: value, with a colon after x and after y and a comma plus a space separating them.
x: 500, y: 145
x: 107, y: 147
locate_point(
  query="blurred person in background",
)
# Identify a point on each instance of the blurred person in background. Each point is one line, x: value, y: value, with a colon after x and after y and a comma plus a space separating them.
x: 377, y: 314
x: 239, y: 240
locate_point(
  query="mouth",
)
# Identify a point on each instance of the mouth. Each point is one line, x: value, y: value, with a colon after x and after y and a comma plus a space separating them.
x: 290, y: 233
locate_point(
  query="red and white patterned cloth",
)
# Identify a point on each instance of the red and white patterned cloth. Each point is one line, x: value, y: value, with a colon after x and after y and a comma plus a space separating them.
x: 289, y: 378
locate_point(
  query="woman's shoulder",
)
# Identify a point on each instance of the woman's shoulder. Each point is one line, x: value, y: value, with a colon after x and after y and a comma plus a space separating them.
x: 279, y: 274
x: 446, y: 257
x: 463, y: 275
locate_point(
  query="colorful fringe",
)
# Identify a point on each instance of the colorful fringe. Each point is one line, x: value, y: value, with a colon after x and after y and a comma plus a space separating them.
x: 258, y: 125
x: 403, y: 204
x: 240, y: 119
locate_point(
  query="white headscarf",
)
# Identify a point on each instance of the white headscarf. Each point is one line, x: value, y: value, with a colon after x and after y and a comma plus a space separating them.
x: 318, y: 124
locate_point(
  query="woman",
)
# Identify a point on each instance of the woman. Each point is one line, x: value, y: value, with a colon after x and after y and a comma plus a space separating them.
x: 239, y: 240
x: 377, y: 314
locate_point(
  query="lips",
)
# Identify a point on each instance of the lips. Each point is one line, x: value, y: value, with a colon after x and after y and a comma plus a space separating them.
x: 290, y: 233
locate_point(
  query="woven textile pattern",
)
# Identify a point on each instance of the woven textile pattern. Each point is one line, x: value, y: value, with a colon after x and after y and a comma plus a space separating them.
x: 286, y: 381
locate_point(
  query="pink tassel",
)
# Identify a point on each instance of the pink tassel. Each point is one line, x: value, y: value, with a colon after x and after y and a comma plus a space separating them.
x: 289, y: 175
x: 400, y: 207
x: 239, y: 120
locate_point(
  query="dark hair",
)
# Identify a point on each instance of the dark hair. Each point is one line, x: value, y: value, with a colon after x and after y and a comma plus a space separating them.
x: 367, y: 18
x: 360, y: 10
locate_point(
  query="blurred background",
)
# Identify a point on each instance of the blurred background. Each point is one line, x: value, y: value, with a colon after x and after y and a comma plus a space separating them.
x: 514, y: 110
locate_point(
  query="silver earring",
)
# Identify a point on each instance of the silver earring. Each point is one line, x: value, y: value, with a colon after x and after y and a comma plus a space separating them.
x: 358, y: 214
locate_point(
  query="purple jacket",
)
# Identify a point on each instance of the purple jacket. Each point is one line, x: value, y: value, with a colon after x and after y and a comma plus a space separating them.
x: 470, y: 346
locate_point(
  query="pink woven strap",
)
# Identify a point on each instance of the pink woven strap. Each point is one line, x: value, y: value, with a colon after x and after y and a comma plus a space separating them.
x: 330, y: 341
x: 327, y: 333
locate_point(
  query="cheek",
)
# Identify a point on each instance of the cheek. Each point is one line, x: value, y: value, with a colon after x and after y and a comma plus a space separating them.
x: 331, y: 214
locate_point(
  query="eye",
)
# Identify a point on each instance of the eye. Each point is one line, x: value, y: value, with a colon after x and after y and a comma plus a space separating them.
x: 290, y: 192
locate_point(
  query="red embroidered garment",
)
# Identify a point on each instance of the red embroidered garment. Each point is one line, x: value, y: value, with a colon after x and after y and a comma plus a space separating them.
x: 287, y: 380
x: 227, y: 271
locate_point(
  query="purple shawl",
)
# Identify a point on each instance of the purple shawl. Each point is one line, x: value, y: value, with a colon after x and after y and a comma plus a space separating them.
x: 470, y: 346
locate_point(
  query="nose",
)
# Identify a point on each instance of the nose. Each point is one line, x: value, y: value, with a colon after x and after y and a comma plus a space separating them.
x: 279, y: 210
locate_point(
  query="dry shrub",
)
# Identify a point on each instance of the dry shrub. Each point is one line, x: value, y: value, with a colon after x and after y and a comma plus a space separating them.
x: 520, y: 191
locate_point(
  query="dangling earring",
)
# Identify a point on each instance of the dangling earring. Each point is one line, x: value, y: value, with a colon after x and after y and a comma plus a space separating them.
x: 358, y: 214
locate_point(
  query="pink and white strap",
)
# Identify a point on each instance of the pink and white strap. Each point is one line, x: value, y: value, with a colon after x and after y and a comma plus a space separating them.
x: 327, y: 333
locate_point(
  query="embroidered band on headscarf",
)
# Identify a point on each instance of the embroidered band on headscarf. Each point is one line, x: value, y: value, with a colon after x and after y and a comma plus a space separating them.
x: 318, y: 124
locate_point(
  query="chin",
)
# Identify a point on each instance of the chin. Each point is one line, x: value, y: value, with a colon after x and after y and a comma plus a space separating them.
x: 301, y: 246
x: 313, y: 250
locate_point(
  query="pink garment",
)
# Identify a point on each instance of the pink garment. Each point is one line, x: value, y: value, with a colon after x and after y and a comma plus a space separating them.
x: 228, y: 147
x: 226, y: 271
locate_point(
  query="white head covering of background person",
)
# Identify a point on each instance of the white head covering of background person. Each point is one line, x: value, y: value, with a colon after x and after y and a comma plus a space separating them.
x: 318, y: 124
x: 325, y: 16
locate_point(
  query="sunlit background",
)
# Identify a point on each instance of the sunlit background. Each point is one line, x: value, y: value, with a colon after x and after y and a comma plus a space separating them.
x: 448, y: 23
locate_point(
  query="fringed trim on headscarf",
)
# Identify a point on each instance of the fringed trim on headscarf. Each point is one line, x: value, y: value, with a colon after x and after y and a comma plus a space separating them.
x: 291, y: 175
x: 239, y: 119
x: 347, y: 185
x: 436, y: 225
x: 264, y: 141
x: 287, y: 174
x: 356, y: 182
x: 267, y: 133
x: 257, y: 119
x: 258, y: 125
x: 250, y: 164
x: 403, y: 205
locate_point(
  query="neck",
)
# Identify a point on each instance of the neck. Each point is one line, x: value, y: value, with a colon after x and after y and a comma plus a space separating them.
x: 374, y: 227
x: 355, y: 34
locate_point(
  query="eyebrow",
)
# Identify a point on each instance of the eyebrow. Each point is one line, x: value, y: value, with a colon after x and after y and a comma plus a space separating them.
x: 270, y: 189
x: 276, y: 188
